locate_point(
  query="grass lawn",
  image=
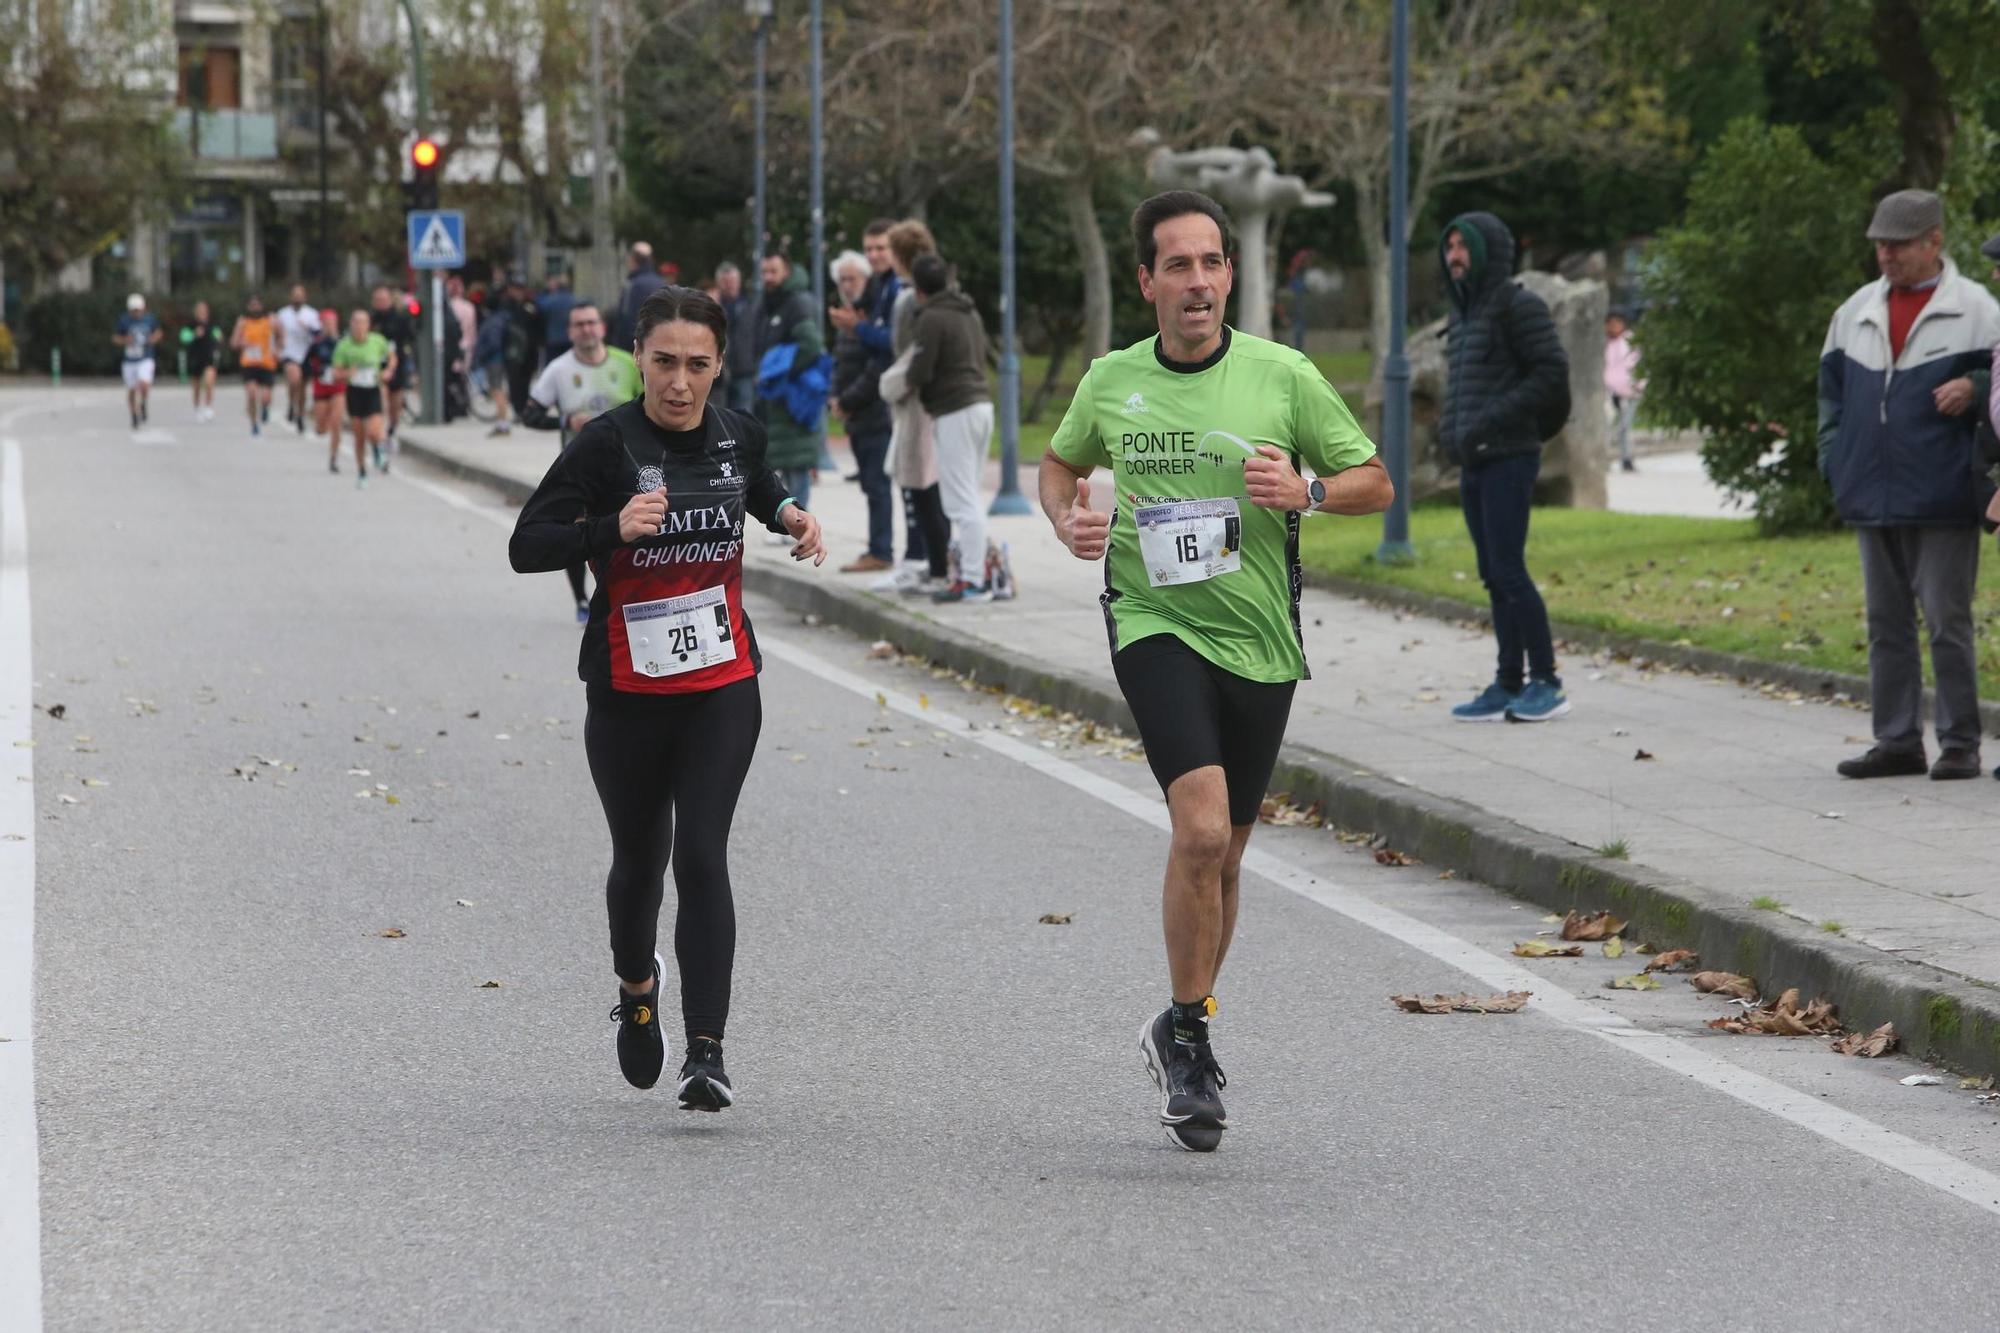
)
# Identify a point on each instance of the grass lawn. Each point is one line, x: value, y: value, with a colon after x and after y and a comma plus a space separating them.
x: 1713, y: 583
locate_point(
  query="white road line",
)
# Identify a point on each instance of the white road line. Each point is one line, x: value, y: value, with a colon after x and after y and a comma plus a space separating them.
x: 1855, y: 1133
x: 1940, y: 1170
x: 20, y: 1169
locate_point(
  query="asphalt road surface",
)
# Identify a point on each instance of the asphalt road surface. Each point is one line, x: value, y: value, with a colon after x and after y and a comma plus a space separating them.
x: 296, y: 716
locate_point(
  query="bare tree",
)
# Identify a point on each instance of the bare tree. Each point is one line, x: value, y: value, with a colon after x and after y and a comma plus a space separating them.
x: 1491, y: 92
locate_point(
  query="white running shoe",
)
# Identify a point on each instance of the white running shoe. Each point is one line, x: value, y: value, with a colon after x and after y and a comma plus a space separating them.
x: 904, y: 576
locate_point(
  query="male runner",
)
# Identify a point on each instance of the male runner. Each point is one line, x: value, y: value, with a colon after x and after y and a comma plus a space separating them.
x: 202, y: 342
x: 586, y: 381
x: 298, y: 325
x: 1202, y: 428
x: 138, y: 330
x: 255, y: 344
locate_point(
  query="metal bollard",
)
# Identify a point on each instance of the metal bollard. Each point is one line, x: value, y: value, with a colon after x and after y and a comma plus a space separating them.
x: 55, y: 366
x: 182, y: 357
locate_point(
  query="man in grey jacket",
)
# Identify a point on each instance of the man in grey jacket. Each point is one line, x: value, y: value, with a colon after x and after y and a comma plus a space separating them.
x: 1902, y: 381
x: 949, y: 376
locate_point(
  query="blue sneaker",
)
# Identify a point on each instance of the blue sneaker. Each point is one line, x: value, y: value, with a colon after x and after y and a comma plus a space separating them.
x: 1542, y: 700
x: 1491, y: 705
x: 583, y: 613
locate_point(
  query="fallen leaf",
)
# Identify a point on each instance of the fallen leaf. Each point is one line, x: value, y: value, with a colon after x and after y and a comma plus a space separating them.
x: 463, y: 902
x: 1509, y: 1003
x: 1449, y: 874
x: 1537, y: 949
x: 1386, y: 856
x: 95, y: 782
x: 1277, y: 810
x: 393, y: 933
x: 24, y: 745
x: 1879, y: 1042
x: 1673, y: 960
x: 798, y: 759
x: 56, y: 711
x: 881, y: 699
x: 881, y: 648
x: 1596, y: 926
x: 1637, y: 981
x: 923, y: 701
x: 1784, y: 1018
x: 472, y: 715
x: 1055, y: 918
x: 1614, y: 947
x: 1975, y: 1084
x: 1643, y: 754
x: 489, y: 985
x: 67, y: 799
x: 1724, y: 983
x: 502, y: 736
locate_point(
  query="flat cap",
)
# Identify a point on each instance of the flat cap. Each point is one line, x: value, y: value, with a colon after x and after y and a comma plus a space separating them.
x: 1906, y: 215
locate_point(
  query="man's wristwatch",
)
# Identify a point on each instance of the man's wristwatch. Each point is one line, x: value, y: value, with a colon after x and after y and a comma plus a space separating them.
x: 1315, y: 493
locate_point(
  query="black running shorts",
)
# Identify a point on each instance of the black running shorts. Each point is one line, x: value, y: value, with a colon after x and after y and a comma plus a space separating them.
x: 363, y: 403
x: 257, y: 375
x: 1193, y: 714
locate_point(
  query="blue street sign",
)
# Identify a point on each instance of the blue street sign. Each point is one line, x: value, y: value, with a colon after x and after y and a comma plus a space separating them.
x: 437, y: 239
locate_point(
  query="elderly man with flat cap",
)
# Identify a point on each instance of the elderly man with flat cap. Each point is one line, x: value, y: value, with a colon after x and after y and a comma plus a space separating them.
x: 1903, y: 383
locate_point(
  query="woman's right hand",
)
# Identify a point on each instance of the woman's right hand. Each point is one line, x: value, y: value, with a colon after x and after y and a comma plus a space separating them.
x: 643, y: 516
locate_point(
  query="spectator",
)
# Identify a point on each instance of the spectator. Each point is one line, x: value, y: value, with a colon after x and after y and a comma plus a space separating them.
x: 641, y: 281
x: 1296, y: 289
x: 1622, y: 382
x: 1897, y: 416
x: 556, y: 303
x: 521, y: 335
x: 912, y: 446
x: 489, y: 366
x: 857, y: 376
x: 948, y: 373
x: 1509, y: 379
x: 789, y: 319
x: 740, y: 360
x: 465, y: 319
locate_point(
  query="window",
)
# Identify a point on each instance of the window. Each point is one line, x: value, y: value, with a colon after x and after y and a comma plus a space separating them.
x: 210, y: 78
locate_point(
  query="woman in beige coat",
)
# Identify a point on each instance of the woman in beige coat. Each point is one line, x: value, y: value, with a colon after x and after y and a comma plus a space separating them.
x: 912, y: 459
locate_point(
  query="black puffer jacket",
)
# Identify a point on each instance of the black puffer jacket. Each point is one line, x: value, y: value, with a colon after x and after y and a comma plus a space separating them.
x: 1509, y: 375
x: 857, y: 383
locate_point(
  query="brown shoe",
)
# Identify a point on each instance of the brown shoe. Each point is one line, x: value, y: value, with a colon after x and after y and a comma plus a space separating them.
x: 866, y: 564
x: 1955, y: 764
x: 1881, y: 763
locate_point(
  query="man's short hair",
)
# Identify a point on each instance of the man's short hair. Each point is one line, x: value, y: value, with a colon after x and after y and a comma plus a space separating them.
x: 908, y: 239
x: 931, y: 274
x: 779, y: 255
x: 849, y: 259
x: 725, y: 268
x: 1147, y: 217
x: 585, y: 306
x: 879, y: 227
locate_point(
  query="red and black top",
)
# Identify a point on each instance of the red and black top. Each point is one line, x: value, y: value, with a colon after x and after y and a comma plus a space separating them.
x: 667, y: 617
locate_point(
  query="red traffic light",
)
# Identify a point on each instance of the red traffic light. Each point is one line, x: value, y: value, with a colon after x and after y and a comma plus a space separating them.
x: 424, y: 153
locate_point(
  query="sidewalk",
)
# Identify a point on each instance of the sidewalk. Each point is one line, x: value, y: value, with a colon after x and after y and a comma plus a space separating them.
x: 1736, y: 798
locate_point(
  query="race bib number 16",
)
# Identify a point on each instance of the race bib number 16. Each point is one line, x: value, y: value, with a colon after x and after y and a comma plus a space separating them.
x: 1190, y: 541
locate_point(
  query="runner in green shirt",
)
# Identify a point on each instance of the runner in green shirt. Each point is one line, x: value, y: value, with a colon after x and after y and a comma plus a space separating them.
x: 364, y: 361
x: 1203, y: 429
x: 587, y: 381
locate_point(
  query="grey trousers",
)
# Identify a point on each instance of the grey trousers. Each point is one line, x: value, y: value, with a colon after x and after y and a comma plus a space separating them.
x: 1902, y: 569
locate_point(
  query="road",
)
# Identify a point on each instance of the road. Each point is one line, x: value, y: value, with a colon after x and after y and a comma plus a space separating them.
x: 296, y: 715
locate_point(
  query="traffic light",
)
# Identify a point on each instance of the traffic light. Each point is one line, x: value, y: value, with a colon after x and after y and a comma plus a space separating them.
x: 422, y: 189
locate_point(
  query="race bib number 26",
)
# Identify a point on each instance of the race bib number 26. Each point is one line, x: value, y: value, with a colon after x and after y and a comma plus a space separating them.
x: 679, y: 634
x: 1190, y: 541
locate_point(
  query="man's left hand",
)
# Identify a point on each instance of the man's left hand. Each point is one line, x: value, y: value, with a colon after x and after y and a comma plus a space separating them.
x: 844, y: 317
x: 1273, y: 482
x: 1953, y: 397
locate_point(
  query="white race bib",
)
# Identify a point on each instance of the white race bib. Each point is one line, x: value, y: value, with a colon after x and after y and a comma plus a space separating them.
x: 1190, y: 541
x: 677, y: 634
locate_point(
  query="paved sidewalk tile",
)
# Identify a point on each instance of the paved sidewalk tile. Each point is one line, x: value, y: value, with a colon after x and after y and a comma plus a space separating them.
x: 1740, y: 795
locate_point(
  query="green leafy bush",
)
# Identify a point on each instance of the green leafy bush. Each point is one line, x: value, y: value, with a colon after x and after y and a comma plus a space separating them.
x: 1771, y: 243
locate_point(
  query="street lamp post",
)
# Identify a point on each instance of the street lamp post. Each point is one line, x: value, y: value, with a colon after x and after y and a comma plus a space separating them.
x: 1009, y: 500
x: 602, y: 262
x: 323, y: 271
x: 826, y: 462
x: 760, y: 24
x: 1395, y: 548
x: 430, y: 350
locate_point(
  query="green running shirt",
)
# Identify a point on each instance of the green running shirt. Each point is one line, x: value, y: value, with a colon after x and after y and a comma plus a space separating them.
x: 1174, y: 434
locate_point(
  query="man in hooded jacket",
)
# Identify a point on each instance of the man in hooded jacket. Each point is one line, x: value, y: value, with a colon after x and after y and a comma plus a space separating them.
x: 789, y: 316
x: 1507, y: 391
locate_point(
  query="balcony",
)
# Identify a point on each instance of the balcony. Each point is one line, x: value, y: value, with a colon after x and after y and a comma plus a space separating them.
x: 228, y: 136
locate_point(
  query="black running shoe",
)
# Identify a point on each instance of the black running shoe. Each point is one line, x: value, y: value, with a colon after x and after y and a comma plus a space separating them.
x: 705, y: 1085
x: 1188, y: 1078
x: 642, y: 1047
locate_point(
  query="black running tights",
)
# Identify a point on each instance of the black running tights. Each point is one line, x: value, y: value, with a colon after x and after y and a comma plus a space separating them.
x: 575, y: 573
x: 929, y: 506
x: 654, y: 766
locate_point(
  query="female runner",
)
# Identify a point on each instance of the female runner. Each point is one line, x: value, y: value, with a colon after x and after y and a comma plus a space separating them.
x: 655, y: 495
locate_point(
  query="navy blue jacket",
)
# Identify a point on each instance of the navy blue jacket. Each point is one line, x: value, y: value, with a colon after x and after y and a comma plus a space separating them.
x: 1889, y: 455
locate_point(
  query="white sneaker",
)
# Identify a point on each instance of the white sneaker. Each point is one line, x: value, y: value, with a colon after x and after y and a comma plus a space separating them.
x: 902, y: 577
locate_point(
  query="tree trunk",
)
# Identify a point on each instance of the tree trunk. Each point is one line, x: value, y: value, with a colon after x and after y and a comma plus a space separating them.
x: 1924, y: 113
x: 1081, y: 205
x: 1058, y: 350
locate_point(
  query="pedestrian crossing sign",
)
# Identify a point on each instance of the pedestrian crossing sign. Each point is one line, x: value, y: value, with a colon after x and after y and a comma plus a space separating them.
x: 437, y: 238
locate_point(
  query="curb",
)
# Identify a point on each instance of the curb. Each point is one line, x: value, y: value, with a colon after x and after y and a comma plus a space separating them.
x: 1938, y: 1015
x: 1827, y: 686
